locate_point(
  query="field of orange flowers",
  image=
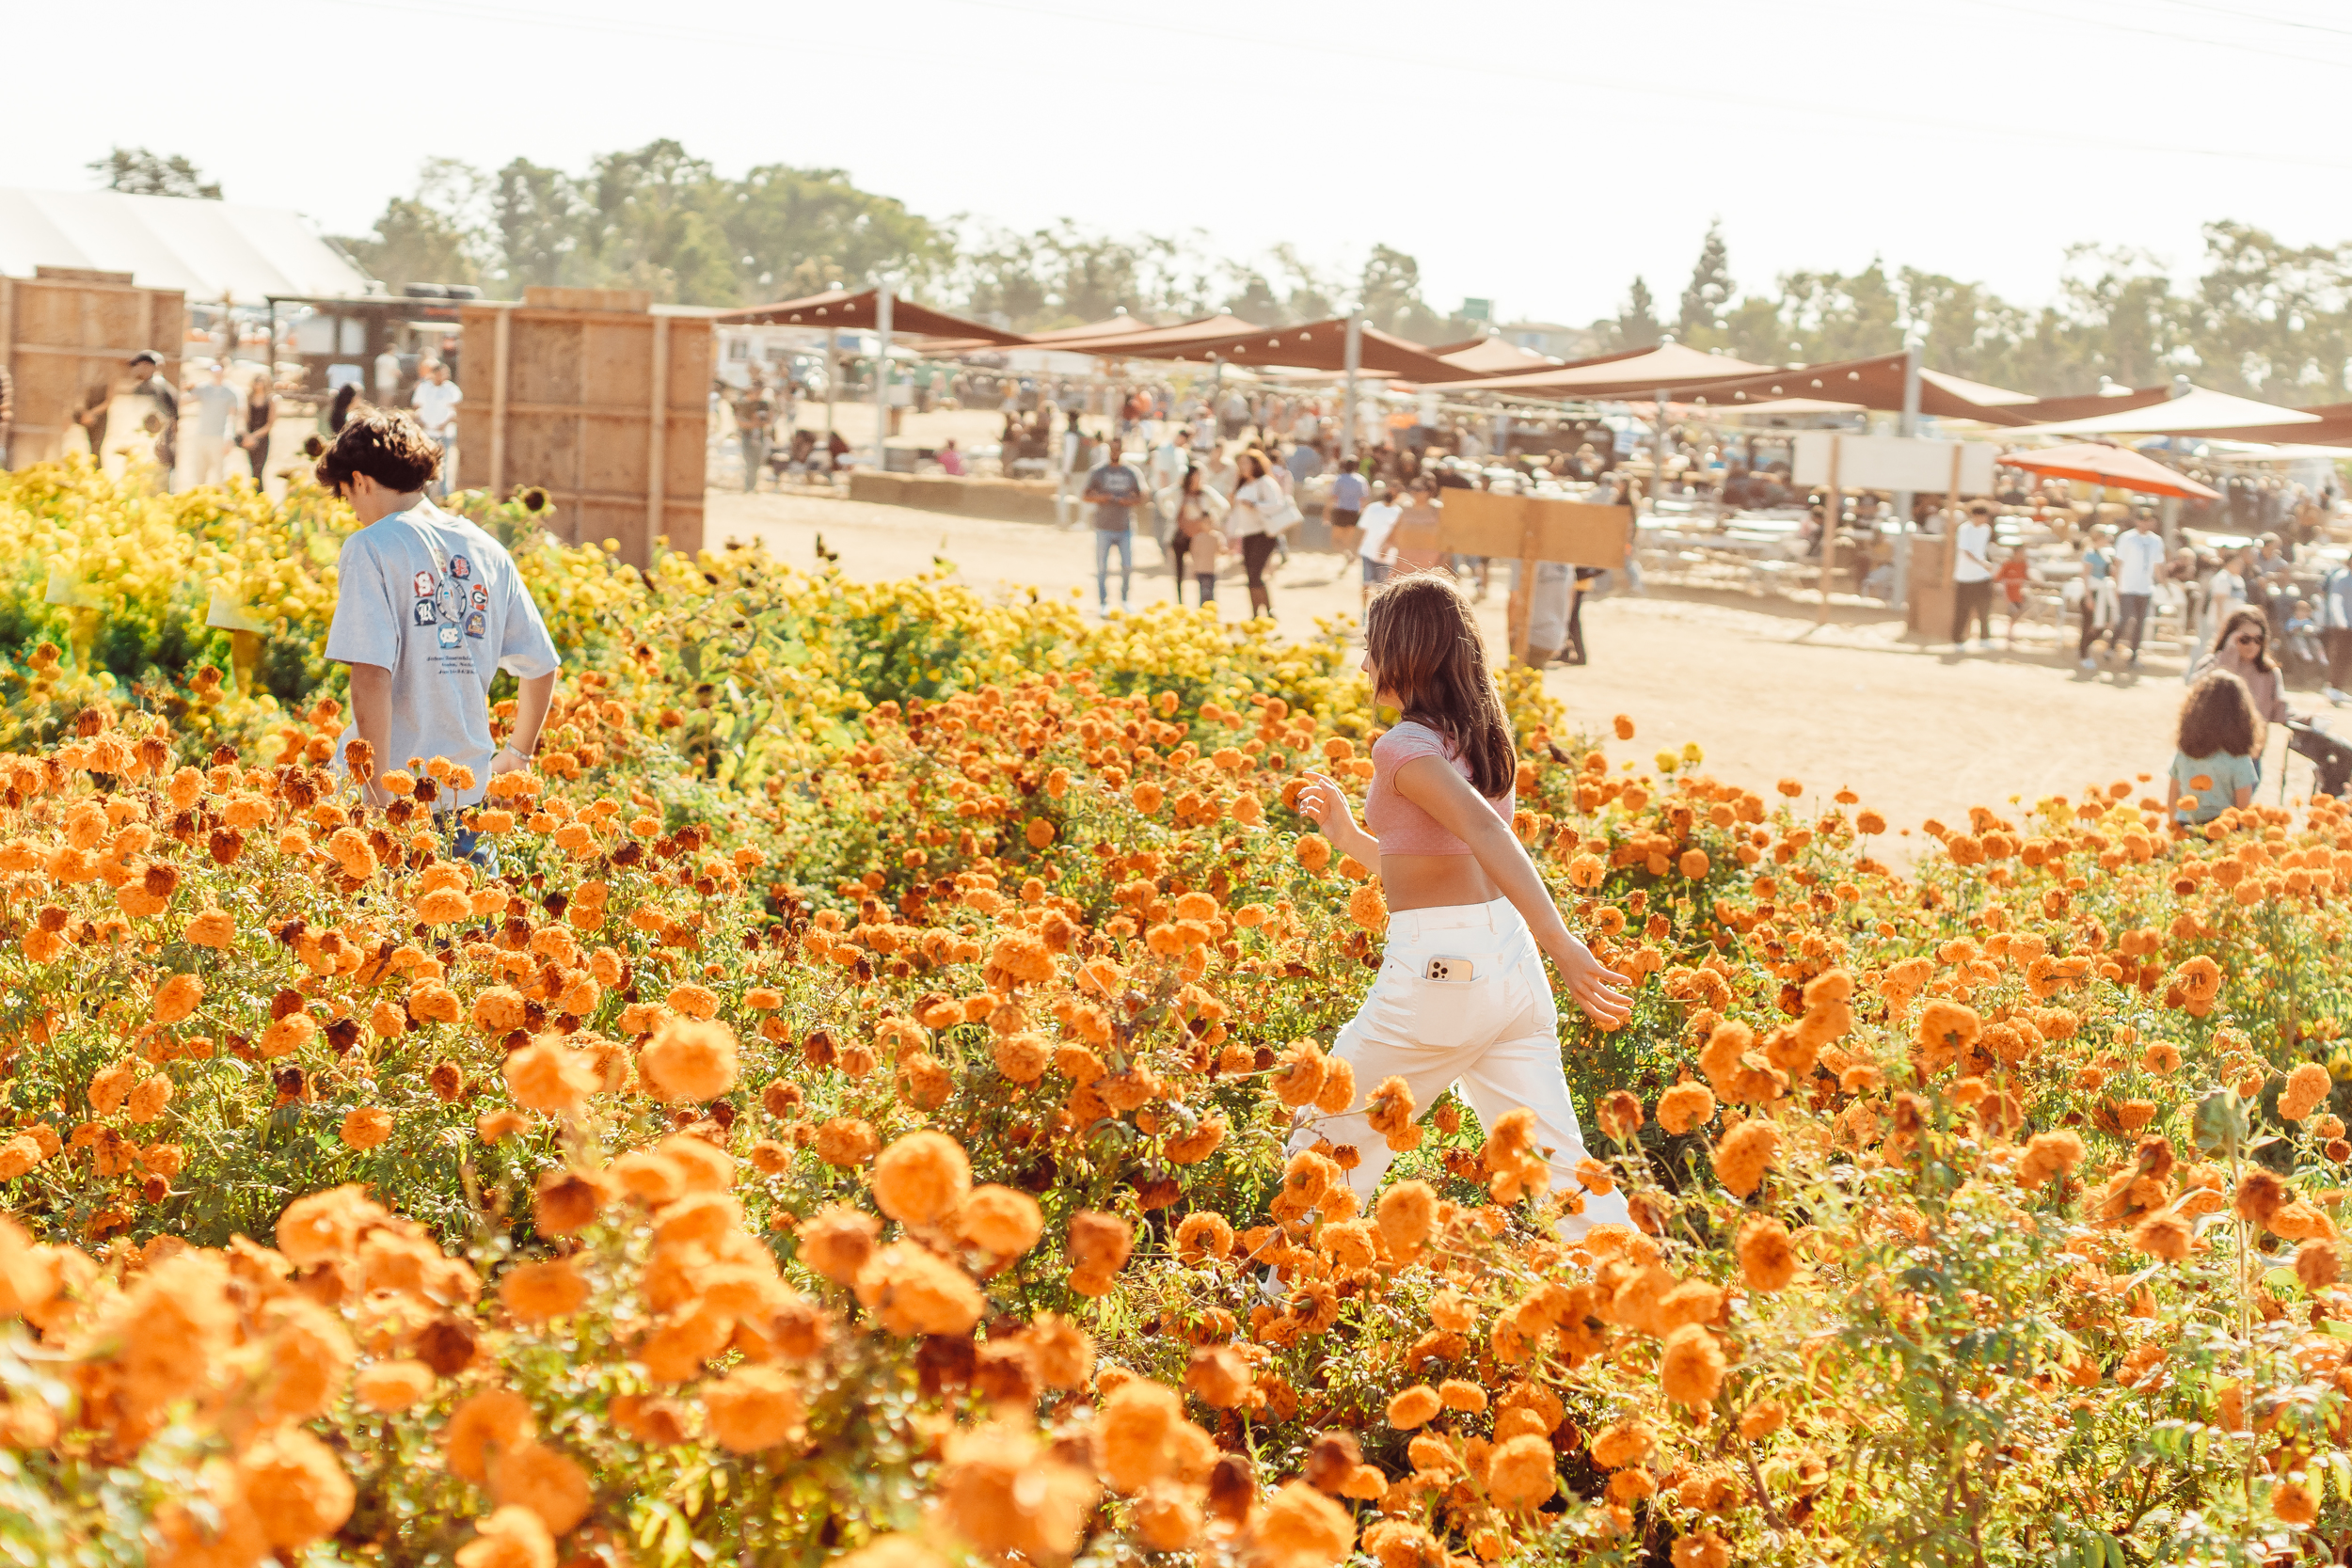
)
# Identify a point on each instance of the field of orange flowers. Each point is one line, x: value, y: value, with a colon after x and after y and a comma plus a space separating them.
x: 849, y: 1123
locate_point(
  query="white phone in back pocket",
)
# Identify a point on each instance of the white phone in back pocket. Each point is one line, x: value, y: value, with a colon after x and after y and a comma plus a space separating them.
x: 1450, y: 968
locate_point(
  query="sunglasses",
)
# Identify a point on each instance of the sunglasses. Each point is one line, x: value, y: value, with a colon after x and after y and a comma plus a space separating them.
x: 2248, y: 640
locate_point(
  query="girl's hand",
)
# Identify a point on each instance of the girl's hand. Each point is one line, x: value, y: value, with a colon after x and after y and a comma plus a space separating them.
x: 1326, y: 803
x: 1593, y: 987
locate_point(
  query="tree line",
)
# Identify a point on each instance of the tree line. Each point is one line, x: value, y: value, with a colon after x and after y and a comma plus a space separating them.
x: 2262, y: 318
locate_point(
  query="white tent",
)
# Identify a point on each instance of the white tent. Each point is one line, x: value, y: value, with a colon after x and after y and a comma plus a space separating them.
x: 210, y: 250
x: 2200, y: 409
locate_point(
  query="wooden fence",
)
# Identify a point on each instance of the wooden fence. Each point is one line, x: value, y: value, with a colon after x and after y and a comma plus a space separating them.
x: 599, y: 399
x: 65, y: 331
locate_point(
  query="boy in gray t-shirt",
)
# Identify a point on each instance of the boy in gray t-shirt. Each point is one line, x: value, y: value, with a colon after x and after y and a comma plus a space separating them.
x: 428, y: 608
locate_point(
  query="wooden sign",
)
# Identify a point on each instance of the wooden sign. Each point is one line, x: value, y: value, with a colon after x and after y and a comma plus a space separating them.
x: 1534, y: 528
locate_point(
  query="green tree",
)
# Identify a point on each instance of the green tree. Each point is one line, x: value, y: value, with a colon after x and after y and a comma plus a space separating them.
x: 1637, y: 324
x: 136, y: 171
x: 656, y: 221
x: 539, y: 218
x: 434, y: 236
x: 1709, y: 289
x: 1390, y: 291
x: 797, y: 229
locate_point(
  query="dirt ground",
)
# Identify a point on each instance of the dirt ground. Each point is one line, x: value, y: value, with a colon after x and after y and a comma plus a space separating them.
x: 1915, y: 731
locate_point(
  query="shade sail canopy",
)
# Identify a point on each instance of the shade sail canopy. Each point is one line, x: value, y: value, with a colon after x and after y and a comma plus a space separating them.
x: 2202, y: 411
x: 2095, y: 462
x: 1875, y: 384
x: 840, y: 310
x: 209, y: 250
x: 1310, y: 345
x: 1493, y: 356
x: 1074, y: 338
x: 1669, y: 367
x: 2115, y: 400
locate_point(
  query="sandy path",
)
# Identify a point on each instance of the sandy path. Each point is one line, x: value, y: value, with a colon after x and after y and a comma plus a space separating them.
x: 1767, y: 696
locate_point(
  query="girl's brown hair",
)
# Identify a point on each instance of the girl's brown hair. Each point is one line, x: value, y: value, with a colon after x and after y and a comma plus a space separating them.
x: 1423, y: 644
x: 2219, y: 716
x: 2237, y: 620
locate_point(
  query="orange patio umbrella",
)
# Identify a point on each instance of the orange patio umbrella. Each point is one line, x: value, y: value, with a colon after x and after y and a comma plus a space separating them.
x: 2096, y: 463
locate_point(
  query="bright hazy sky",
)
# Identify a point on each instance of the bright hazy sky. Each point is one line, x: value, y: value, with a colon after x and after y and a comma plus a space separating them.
x: 1540, y: 153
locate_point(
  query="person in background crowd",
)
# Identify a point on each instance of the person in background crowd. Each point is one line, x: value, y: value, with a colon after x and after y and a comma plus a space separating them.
x: 2243, y: 649
x: 2138, y: 554
x: 1378, y: 523
x: 950, y: 460
x: 2271, y: 583
x: 435, y: 401
x: 1972, y: 576
x: 1256, y: 499
x: 337, y: 411
x: 1196, y: 536
x: 1414, y: 543
x: 2013, y: 577
x: 754, y: 420
x: 1221, y: 472
x: 2217, y: 754
x: 1344, y: 510
x: 1585, y: 577
x: 388, y: 378
x: 2301, y: 640
x: 1115, y: 490
x: 1232, y: 414
x: 212, y: 412
x: 2098, y: 610
x: 2335, y: 630
x: 2225, y: 593
x: 1304, y: 463
x: 1548, y: 600
x: 1171, y: 459
x: 836, y: 451
x: 260, y: 418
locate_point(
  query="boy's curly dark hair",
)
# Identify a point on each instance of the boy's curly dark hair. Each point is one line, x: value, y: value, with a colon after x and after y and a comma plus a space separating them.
x: 388, y: 445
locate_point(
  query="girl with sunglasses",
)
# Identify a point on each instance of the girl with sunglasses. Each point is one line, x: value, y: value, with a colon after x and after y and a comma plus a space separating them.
x: 2242, y: 648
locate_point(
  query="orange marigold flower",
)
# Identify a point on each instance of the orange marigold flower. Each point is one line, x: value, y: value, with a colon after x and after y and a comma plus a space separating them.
x: 1766, y: 1259
x: 366, y: 1126
x: 921, y: 1177
x: 756, y: 1407
x: 688, y: 1061
x: 493, y: 1419
x: 837, y: 1241
x: 551, y: 1486
x: 390, y: 1386
x: 846, y: 1142
x: 1000, y: 1220
x: 695, y: 1001
x: 535, y: 1293
x: 1523, y: 1472
x: 1745, y: 1154
x: 1622, y: 724
x: 212, y: 928
x: 1407, y: 1214
x: 1005, y: 1493
x: 1414, y: 1407
x: 1203, y: 1234
x: 1314, y: 852
x: 913, y: 1291
x: 510, y: 1538
x: 1300, y: 1527
x: 177, y: 997
x: 548, y: 1076
x: 1692, y: 1372
x: 297, y: 1488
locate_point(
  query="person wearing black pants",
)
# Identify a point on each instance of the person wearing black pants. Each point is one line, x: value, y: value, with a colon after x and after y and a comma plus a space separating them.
x: 1972, y: 598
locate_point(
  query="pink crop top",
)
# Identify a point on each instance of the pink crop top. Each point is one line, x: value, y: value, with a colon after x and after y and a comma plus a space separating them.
x: 1401, y: 827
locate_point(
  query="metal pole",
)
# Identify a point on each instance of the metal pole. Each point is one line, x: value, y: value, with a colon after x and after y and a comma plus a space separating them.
x: 1833, y: 512
x: 882, y: 378
x: 1658, y: 452
x: 833, y: 384
x: 1347, y: 405
x: 1903, y: 499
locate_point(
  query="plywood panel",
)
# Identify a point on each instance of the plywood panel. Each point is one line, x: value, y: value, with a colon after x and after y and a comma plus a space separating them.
x: 578, y: 416
x: 1534, y: 528
x: 61, y: 335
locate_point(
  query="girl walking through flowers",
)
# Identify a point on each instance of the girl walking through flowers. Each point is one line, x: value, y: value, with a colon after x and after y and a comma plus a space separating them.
x: 1461, y: 994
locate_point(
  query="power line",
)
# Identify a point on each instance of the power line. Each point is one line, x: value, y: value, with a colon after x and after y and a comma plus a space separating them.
x: 1488, y: 70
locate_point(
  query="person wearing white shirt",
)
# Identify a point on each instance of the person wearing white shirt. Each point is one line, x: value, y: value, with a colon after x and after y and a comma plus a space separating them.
x: 210, y: 408
x: 1972, y: 575
x: 1376, y: 522
x: 435, y: 401
x: 2137, y: 555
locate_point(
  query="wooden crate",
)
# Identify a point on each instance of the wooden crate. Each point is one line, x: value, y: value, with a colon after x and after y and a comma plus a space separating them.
x: 601, y: 400
x: 65, y: 331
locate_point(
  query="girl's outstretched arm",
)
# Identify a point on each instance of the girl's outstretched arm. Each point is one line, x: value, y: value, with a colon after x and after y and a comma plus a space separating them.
x: 1432, y: 783
x: 1325, y: 801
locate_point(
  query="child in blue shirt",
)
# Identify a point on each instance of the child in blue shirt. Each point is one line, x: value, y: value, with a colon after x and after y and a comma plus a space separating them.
x: 2214, y: 766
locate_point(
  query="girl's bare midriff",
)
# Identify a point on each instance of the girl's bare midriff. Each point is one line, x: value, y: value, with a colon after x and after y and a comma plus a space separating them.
x: 1431, y: 881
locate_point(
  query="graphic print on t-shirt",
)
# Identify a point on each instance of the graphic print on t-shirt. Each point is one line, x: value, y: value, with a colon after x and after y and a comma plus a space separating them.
x: 459, y: 567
